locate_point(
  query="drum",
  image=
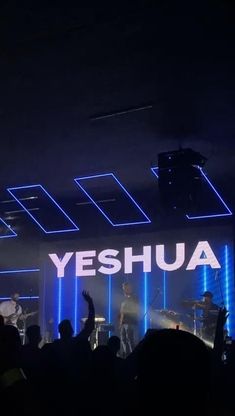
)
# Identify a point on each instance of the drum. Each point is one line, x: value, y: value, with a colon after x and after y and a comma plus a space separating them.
x: 165, y: 318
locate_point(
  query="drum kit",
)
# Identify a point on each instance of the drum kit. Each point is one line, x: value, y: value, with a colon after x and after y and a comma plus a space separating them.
x: 165, y: 318
x: 190, y: 322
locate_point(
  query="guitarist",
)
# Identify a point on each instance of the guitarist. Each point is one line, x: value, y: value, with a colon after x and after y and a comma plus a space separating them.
x: 11, y: 310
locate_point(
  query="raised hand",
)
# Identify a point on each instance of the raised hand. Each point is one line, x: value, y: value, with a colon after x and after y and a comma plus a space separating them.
x: 219, y: 334
x: 86, y: 296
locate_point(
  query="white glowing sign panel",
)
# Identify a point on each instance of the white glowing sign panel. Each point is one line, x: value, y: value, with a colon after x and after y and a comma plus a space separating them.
x: 110, y: 264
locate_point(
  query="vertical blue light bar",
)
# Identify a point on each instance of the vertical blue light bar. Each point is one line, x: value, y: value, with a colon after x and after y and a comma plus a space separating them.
x: 145, y: 302
x: 59, y: 299
x: 164, y: 290
x: 76, y: 306
x: 204, y: 278
x: 227, y: 297
x: 109, y: 300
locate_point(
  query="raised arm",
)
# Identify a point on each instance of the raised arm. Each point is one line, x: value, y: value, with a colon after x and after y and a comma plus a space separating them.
x: 90, y: 322
x: 219, y: 334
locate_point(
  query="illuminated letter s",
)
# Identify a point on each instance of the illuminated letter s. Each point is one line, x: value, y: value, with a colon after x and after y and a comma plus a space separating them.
x: 107, y: 257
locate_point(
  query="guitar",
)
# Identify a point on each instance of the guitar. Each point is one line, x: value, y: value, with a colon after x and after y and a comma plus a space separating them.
x: 9, y: 320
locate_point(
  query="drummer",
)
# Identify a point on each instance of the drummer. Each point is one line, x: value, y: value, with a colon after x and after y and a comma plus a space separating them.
x: 209, y: 315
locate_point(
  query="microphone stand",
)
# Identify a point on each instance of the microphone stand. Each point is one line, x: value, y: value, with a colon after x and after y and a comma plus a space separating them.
x: 220, y: 287
x: 151, y: 304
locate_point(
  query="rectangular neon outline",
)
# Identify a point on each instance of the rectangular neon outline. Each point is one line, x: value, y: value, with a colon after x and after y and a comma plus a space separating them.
x: 227, y: 297
x: 226, y: 214
x: 154, y: 171
x: 220, y: 198
x: 100, y: 209
x: 19, y: 271
x: 21, y: 297
x: 33, y: 218
x: 10, y: 229
x: 145, y: 302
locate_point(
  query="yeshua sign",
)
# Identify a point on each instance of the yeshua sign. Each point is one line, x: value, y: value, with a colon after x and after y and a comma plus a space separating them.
x: 111, y: 261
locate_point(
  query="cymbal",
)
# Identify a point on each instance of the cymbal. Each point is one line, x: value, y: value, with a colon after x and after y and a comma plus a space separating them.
x: 190, y: 302
x: 167, y: 312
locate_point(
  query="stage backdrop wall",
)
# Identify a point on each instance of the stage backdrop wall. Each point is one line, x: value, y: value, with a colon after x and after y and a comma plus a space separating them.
x: 204, y: 262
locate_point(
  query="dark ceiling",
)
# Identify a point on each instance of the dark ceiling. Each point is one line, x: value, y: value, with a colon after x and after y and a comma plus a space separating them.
x: 106, y: 88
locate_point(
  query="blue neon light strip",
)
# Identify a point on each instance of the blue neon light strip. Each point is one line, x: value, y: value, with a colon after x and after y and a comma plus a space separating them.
x: 59, y: 299
x: 225, y: 214
x: 76, y: 306
x: 164, y: 290
x: 227, y: 297
x: 145, y: 302
x: 19, y: 271
x: 146, y: 221
x: 110, y: 298
x: 74, y: 228
x: 21, y: 297
x: 204, y: 278
x: 13, y: 234
x: 109, y: 301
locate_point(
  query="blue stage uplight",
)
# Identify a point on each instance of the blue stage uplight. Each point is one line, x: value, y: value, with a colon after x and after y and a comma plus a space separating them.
x: 76, y: 306
x: 59, y: 300
x: 204, y: 278
x: 145, y: 302
x: 74, y: 226
x: 109, y: 301
x: 164, y: 290
x: 78, y: 180
x: 109, y: 298
x: 227, y: 286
